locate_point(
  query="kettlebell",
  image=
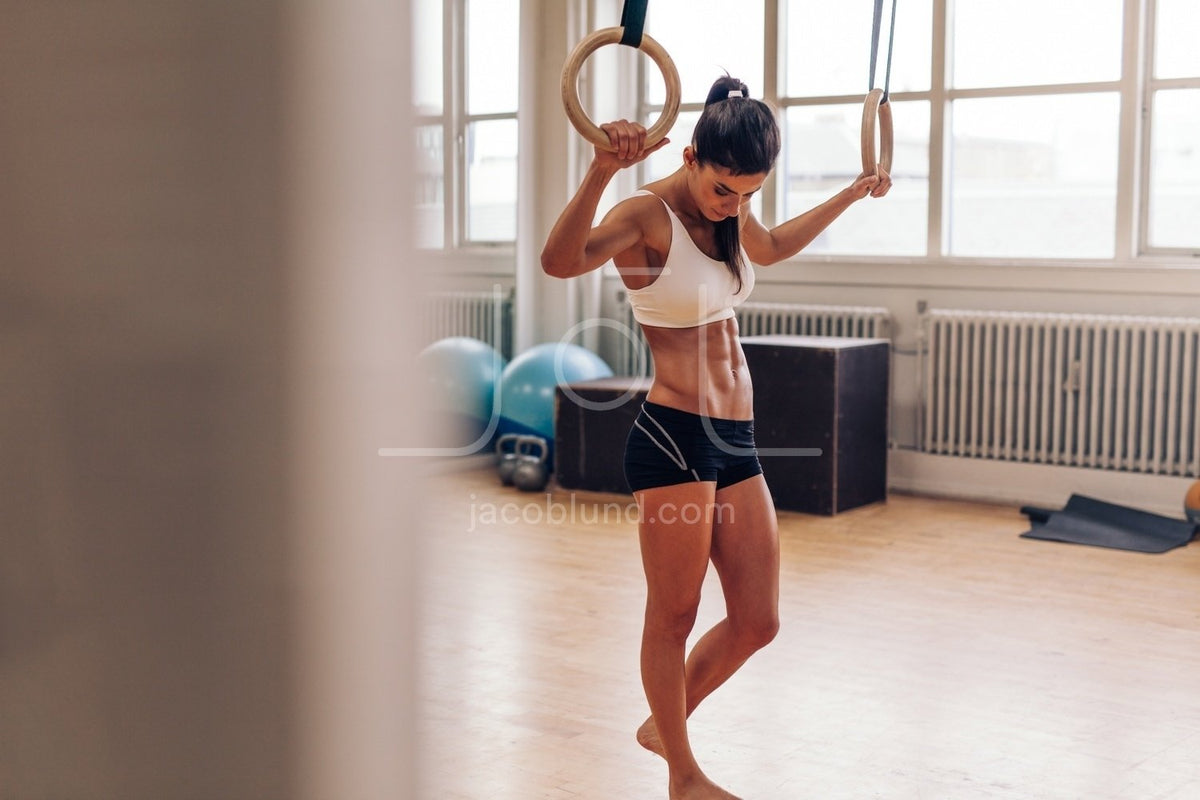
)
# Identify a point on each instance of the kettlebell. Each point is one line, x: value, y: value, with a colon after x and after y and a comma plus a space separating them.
x: 531, y: 474
x: 506, y: 457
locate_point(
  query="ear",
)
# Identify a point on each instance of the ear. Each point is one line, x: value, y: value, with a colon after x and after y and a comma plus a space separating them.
x: 689, y: 157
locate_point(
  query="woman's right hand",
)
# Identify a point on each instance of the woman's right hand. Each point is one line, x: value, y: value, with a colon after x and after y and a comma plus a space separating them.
x: 629, y: 142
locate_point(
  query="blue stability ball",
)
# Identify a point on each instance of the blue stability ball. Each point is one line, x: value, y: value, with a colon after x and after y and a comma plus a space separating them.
x: 461, y: 377
x: 527, y: 385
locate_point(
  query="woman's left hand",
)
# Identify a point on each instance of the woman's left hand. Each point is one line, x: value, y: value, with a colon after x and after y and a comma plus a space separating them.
x: 875, y: 184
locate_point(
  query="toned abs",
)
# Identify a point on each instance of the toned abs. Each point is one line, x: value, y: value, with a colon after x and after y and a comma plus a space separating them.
x: 701, y: 370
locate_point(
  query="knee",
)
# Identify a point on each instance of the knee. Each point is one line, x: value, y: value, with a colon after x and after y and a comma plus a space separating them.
x: 673, y: 624
x: 758, y: 631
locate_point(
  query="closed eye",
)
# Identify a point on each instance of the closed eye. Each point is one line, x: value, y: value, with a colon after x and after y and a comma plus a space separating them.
x: 725, y: 191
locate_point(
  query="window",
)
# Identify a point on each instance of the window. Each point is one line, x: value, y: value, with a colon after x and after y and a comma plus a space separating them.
x: 826, y: 69
x: 1174, y: 186
x: 1034, y: 176
x: 1172, y: 200
x: 821, y: 156
x: 465, y: 91
x: 715, y: 39
x: 1013, y: 128
x: 1034, y: 140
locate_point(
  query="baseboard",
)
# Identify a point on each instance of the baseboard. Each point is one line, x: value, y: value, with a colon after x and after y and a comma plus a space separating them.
x: 1016, y: 484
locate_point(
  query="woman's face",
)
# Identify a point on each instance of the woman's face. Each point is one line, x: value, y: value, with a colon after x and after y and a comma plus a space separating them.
x: 719, y: 193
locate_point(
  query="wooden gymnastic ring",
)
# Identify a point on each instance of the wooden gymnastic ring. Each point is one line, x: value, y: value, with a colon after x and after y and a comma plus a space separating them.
x: 874, y: 110
x: 570, y: 87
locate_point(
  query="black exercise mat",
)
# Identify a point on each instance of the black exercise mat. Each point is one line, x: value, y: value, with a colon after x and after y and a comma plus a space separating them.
x: 1086, y: 520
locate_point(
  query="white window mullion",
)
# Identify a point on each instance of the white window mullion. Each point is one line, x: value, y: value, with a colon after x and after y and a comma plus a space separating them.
x: 1145, y: 120
x: 456, y: 100
x: 1095, y: 87
x: 773, y: 67
x: 631, y: 82
x: 1133, y: 159
x: 579, y: 150
x: 1174, y: 83
x: 937, y: 241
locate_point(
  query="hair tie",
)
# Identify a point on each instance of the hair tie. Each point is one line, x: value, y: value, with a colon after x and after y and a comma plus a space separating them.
x: 735, y: 93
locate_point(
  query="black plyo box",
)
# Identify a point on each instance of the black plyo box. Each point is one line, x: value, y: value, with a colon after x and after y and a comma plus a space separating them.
x: 591, y: 422
x: 828, y: 394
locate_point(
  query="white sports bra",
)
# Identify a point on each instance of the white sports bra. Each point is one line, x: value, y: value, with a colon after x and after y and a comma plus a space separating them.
x: 692, y: 289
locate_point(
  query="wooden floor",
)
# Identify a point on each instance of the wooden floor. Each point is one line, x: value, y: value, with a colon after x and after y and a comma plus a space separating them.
x: 926, y: 652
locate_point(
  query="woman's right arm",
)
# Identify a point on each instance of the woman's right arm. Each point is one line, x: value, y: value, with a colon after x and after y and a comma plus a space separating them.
x: 574, y: 247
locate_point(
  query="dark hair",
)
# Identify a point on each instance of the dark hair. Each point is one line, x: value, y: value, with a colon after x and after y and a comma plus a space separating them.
x: 741, y: 135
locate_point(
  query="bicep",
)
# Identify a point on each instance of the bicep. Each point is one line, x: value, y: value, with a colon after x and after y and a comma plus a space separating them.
x: 757, y: 241
x: 616, y: 233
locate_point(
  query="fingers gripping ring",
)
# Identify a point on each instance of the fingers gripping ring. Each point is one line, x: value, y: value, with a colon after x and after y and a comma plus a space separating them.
x: 873, y: 109
x: 570, y: 87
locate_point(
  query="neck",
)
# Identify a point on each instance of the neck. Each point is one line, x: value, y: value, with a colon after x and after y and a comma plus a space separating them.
x: 681, y: 197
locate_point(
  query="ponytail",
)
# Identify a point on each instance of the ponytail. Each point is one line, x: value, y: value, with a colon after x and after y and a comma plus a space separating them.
x: 741, y: 135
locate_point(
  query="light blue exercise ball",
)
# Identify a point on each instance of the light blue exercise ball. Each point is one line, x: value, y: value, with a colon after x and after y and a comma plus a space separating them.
x: 528, y: 383
x: 461, y: 376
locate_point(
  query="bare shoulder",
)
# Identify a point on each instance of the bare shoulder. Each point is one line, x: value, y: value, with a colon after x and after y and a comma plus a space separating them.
x: 640, y: 264
x: 645, y: 212
x: 638, y: 206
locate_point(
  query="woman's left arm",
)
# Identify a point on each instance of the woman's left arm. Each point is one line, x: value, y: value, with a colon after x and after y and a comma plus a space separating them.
x: 767, y: 247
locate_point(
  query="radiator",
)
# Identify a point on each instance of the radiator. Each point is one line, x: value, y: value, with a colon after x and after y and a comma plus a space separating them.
x: 483, y: 315
x: 855, y: 322
x: 1107, y: 392
x: 757, y: 319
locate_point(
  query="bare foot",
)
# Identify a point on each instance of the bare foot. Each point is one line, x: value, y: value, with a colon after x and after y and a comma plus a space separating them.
x: 699, y: 788
x: 647, y: 737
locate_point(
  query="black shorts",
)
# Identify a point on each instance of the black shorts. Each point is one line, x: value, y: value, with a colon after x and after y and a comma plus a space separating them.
x: 667, y: 446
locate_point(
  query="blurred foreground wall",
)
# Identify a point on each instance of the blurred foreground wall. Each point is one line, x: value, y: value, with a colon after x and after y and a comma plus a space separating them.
x: 205, y: 567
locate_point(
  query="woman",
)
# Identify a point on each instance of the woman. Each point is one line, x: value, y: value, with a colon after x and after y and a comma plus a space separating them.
x: 681, y: 246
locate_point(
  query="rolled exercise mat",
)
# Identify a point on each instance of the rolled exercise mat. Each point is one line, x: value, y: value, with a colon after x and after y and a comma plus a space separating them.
x: 1085, y: 520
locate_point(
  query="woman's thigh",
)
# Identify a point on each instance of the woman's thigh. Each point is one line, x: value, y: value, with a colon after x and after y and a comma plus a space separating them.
x: 676, y: 533
x: 745, y: 548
